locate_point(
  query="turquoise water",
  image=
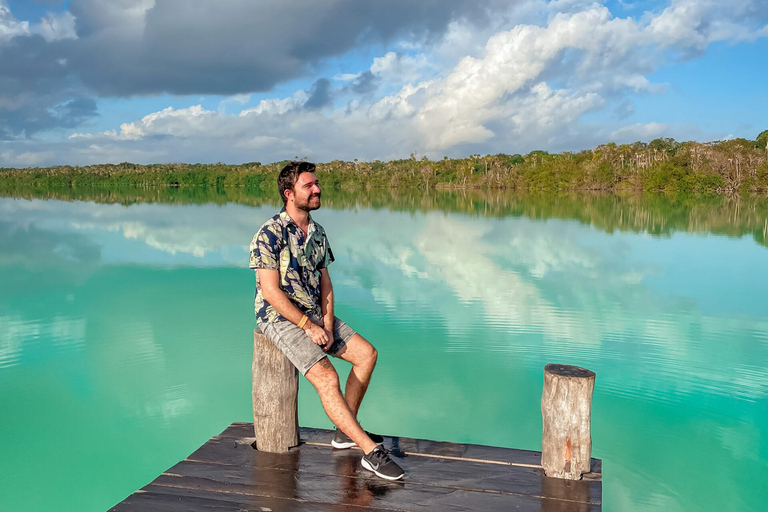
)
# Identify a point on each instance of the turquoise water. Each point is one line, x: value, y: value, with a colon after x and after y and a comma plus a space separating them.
x: 126, y: 339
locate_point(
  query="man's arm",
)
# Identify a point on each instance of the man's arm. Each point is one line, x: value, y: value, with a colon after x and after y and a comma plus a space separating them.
x: 326, y: 299
x: 269, y: 280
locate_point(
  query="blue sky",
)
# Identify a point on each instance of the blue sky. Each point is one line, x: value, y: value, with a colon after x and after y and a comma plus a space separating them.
x: 94, y: 81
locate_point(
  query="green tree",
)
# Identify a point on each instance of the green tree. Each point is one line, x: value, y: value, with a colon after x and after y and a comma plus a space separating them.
x: 762, y: 140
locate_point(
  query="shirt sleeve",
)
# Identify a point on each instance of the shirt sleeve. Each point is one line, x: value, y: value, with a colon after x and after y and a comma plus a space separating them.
x: 265, y: 250
x: 327, y: 258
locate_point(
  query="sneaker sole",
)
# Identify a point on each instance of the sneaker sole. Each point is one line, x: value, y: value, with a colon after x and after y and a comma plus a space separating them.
x: 368, y: 466
x: 349, y: 444
x: 342, y: 446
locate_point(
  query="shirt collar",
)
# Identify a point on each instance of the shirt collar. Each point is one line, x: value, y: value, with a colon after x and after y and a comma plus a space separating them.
x: 288, y: 220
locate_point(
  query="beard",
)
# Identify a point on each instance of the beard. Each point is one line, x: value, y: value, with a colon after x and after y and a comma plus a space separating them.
x: 312, y: 203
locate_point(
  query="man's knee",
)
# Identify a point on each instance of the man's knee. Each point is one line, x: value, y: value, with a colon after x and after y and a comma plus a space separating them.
x: 367, y: 355
x: 364, y: 354
x: 359, y: 352
x: 323, y: 374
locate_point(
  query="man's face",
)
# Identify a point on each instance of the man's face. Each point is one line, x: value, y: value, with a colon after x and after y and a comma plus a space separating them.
x: 306, y: 192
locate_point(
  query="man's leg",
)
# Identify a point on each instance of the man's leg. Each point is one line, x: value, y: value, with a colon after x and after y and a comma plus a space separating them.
x: 362, y: 355
x: 324, y: 378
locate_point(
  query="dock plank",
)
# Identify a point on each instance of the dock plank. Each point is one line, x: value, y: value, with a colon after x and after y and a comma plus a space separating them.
x: 449, y: 473
x: 511, y: 456
x: 158, y: 499
x: 370, y: 496
x: 374, y: 500
x: 227, y: 474
x: 410, y: 445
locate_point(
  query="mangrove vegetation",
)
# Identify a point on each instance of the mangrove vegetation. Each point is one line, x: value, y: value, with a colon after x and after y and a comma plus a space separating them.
x: 733, y: 166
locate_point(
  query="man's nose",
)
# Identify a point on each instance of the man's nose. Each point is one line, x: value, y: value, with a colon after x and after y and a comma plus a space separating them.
x: 316, y: 189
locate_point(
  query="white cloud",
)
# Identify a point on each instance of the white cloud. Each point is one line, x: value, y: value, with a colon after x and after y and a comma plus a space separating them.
x: 463, y: 38
x: 277, y: 106
x: 691, y: 25
x: 398, y: 105
x: 184, y: 122
x: 639, y: 131
x: 569, y: 6
x: 399, y: 68
x: 180, y: 123
x: 26, y: 158
x: 55, y: 27
x: 9, y: 27
x: 474, y: 91
x: 52, y: 27
x: 525, y: 87
x: 346, y: 77
x: 237, y: 99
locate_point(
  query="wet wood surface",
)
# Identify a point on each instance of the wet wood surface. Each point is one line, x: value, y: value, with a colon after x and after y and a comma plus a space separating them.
x: 226, y: 473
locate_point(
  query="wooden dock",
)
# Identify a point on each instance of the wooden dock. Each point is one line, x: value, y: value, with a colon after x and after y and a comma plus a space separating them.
x: 227, y: 474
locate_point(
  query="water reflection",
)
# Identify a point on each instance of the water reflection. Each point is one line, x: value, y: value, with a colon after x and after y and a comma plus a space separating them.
x: 24, y: 242
x: 544, y: 289
x: 143, y: 309
x: 59, y: 335
x: 354, y: 490
x: 658, y: 215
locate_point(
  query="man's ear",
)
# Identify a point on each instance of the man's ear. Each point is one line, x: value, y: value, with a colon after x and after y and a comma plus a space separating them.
x: 287, y: 194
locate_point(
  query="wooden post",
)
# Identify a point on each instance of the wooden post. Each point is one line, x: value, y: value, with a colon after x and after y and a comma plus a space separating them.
x: 566, y: 408
x: 275, y: 397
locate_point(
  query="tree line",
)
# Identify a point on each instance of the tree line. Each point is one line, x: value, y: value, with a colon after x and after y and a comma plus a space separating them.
x: 733, y: 166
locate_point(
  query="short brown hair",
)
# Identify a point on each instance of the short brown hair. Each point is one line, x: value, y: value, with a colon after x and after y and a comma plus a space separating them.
x: 290, y: 174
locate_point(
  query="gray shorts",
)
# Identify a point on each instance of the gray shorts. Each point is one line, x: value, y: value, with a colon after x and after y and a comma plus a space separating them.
x: 299, y: 348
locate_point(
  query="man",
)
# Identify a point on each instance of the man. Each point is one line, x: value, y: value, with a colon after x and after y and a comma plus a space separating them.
x: 294, y: 309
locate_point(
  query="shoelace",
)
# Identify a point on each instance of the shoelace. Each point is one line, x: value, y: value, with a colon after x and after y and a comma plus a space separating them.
x: 381, y: 454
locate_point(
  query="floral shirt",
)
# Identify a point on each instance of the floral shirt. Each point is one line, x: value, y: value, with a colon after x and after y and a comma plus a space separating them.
x: 281, y: 245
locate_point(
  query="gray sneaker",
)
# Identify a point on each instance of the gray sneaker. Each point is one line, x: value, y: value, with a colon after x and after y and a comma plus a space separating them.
x: 381, y: 465
x: 342, y: 441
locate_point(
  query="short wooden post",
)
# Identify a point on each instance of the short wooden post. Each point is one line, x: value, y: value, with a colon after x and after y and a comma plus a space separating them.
x: 275, y: 397
x: 566, y: 409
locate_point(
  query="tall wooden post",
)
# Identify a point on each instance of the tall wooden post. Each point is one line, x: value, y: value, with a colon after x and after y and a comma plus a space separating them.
x: 275, y: 397
x: 566, y: 409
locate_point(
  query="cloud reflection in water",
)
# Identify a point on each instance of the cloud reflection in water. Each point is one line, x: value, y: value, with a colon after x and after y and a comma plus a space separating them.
x: 548, y: 290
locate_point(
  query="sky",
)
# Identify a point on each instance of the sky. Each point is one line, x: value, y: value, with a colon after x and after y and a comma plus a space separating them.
x: 146, y: 81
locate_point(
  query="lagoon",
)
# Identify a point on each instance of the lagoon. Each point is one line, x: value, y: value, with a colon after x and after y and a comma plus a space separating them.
x: 126, y: 333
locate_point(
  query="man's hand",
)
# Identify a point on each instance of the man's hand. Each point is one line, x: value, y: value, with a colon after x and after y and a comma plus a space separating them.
x: 328, y: 345
x: 318, y: 335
